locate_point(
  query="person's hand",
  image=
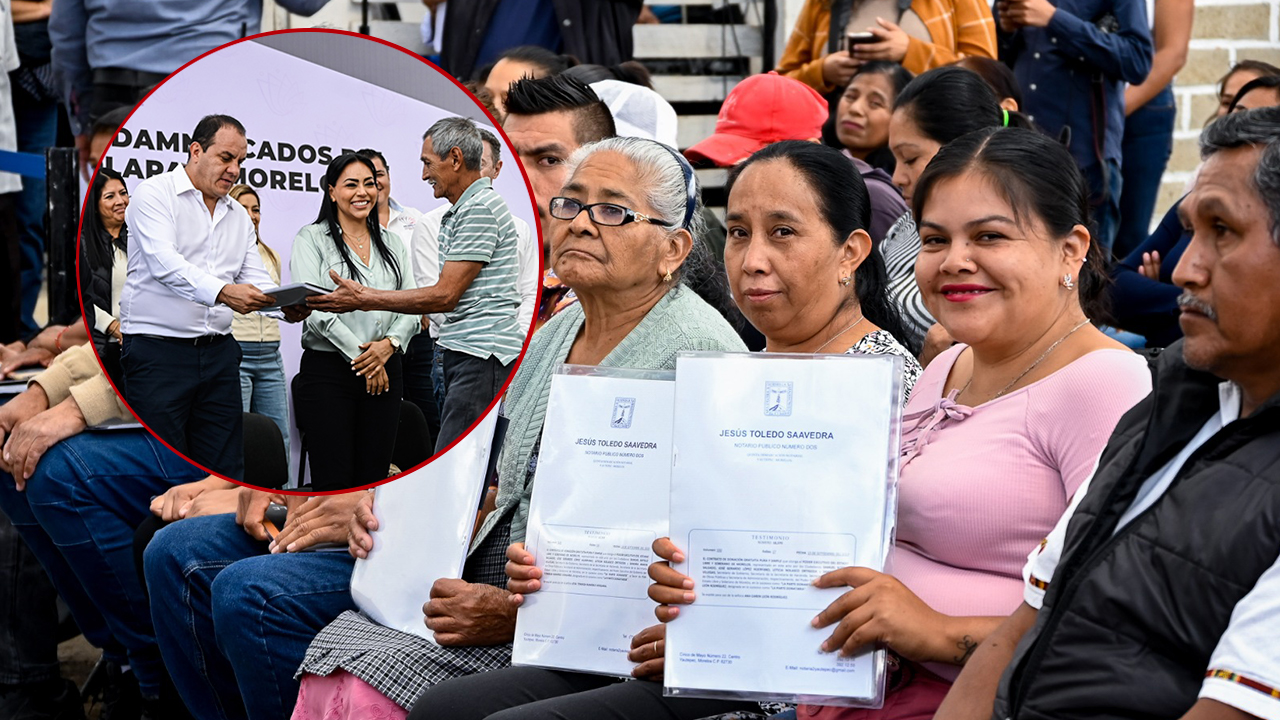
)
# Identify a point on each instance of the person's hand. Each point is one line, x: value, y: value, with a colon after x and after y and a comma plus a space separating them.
x: 375, y: 355
x: 1027, y: 13
x: 523, y: 576
x: 175, y: 503
x: 17, y: 346
x: 879, y: 609
x: 936, y: 340
x: 244, y: 298
x: 463, y: 613
x: 48, y: 338
x: 29, y: 441
x: 669, y: 588
x: 114, y: 330
x: 31, y: 357
x: 361, y: 528
x: 346, y: 297
x: 838, y: 68
x: 319, y: 519
x: 647, y: 17
x: 21, y: 408
x: 295, y: 313
x: 1150, y: 267
x: 647, y: 649
x: 251, y: 511
x: 892, y: 43
x: 377, y: 382
x: 214, y: 502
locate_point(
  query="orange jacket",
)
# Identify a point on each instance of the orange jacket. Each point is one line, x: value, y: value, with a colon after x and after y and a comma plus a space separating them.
x: 957, y: 27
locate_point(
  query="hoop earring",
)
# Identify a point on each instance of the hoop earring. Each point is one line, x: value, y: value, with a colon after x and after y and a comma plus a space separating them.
x: 1067, y: 282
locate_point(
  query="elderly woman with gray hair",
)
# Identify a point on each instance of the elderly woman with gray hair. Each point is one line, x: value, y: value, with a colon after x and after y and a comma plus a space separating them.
x: 625, y: 230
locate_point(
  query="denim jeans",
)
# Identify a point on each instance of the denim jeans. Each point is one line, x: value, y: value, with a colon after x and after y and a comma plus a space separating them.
x: 37, y: 124
x: 78, y: 514
x: 233, y: 621
x: 28, y: 613
x: 1148, y: 142
x: 1106, y: 207
x: 262, y: 384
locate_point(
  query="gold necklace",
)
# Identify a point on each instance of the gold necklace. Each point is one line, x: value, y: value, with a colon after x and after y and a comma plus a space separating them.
x: 1030, y: 367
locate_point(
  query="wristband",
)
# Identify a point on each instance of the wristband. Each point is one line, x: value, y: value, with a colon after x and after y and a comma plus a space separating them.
x: 57, y: 342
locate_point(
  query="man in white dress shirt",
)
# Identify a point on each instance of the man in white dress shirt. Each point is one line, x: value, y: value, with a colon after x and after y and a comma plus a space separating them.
x: 193, y: 260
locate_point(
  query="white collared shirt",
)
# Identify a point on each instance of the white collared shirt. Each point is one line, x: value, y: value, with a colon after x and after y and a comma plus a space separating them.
x: 403, y: 220
x: 180, y: 258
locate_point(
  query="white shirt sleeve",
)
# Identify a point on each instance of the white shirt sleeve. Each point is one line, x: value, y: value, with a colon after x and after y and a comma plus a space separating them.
x: 527, y: 280
x: 152, y: 227
x: 1042, y: 561
x: 1244, y: 670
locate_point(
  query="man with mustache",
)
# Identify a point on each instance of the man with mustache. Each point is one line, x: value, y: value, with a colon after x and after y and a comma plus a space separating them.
x: 1158, y: 593
x: 193, y: 259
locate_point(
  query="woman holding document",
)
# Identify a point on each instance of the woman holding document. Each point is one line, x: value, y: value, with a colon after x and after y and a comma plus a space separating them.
x: 802, y: 270
x: 262, y: 385
x: 623, y: 235
x: 348, y: 387
x: 989, y: 458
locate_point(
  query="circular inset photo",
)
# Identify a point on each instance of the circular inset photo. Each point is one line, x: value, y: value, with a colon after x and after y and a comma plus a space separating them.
x: 303, y: 265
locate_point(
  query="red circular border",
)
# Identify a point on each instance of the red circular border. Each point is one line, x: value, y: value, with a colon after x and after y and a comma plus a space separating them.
x: 529, y: 187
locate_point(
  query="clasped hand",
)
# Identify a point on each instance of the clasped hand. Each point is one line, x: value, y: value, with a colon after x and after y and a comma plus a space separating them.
x: 473, y: 614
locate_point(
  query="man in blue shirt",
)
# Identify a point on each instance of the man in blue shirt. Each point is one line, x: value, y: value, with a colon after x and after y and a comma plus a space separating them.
x: 110, y: 54
x: 1072, y: 59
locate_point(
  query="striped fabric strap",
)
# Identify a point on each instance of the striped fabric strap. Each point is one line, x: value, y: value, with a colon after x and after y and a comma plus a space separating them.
x: 1242, y: 680
x: 1037, y: 583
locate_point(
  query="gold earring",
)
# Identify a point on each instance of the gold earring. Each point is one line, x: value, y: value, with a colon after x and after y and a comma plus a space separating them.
x: 667, y: 277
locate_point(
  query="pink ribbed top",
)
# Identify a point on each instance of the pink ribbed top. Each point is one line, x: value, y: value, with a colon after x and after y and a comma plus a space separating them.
x: 980, y: 487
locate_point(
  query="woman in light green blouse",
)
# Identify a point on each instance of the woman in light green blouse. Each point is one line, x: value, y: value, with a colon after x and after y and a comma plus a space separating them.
x: 347, y: 393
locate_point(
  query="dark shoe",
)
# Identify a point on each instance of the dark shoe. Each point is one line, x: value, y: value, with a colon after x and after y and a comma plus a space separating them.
x: 120, y: 697
x: 168, y: 706
x: 53, y: 700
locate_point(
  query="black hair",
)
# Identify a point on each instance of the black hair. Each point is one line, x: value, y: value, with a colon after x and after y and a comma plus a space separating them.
x: 370, y: 154
x: 899, y: 77
x: 110, y: 121
x: 1038, y: 178
x: 998, y: 76
x: 495, y: 145
x: 1264, y: 82
x: 845, y: 206
x: 95, y: 241
x: 485, y: 98
x: 1259, y: 127
x: 208, y: 127
x: 631, y: 71
x: 536, y: 96
x: 328, y: 217
x: 549, y: 62
x: 951, y: 101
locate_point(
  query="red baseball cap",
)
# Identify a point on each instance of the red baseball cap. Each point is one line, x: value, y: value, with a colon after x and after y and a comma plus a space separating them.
x: 760, y: 110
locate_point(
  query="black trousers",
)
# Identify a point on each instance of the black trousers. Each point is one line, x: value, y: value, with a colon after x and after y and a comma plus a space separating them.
x: 470, y: 385
x: 527, y: 693
x: 188, y: 394
x: 28, y: 613
x: 349, y: 434
x: 419, y: 358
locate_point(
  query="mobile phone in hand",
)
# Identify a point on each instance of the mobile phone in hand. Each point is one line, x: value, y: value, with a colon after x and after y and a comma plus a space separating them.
x: 275, y: 518
x: 861, y: 38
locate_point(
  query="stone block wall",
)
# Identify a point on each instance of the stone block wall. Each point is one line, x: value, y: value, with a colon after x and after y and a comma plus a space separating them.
x: 1225, y: 32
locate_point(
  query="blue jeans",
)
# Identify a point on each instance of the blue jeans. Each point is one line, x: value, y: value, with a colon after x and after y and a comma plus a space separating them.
x: 1106, y: 208
x: 262, y: 384
x: 234, y: 622
x: 37, y: 124
x: 78, y: 514
x: 1148, y: 142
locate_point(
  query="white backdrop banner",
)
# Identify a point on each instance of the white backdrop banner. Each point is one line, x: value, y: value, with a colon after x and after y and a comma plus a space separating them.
x: 298, y: 116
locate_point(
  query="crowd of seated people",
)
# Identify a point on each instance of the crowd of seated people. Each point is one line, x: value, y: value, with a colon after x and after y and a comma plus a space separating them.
x: 1083, y: 530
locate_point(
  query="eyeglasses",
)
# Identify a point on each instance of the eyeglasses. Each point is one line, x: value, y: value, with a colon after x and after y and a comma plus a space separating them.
x: 608, y: 214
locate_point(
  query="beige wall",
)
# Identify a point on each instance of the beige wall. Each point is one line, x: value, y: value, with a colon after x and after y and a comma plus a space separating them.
x: 1225, y: 32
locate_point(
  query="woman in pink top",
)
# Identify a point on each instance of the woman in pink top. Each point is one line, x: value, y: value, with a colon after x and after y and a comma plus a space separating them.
x: 1000, y: 430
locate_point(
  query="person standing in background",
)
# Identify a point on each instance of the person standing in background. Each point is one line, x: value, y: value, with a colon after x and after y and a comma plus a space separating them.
x: 1072, y: 59
x: 1150, y: 112
x: 262, y: 385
